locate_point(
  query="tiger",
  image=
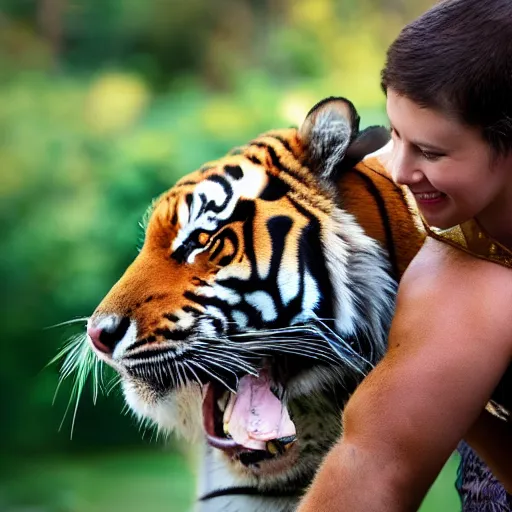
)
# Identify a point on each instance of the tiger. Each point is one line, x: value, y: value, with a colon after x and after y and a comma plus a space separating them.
x: 261, y: 297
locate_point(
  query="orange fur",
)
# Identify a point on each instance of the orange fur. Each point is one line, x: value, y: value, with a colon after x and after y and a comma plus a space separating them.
x: 158, y: 286
x: 366, y: 191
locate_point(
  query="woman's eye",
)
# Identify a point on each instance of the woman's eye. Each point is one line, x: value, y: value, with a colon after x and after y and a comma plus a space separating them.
x: 431, y: 157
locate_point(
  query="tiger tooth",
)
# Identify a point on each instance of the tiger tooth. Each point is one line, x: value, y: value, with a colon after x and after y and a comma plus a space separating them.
x: 225, y: 427
x: 272, y: 448
x: 287, y: 446
x: 229, y: 407
x: 222, y: 401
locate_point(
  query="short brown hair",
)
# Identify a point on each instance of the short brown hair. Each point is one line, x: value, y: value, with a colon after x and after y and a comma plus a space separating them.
x: 457, y: 58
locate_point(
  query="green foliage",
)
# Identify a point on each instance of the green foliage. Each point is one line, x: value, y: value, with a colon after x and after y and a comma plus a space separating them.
x: 157, y: 482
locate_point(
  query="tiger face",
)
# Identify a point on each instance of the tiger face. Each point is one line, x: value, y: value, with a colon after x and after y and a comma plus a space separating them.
x: 256, y: 304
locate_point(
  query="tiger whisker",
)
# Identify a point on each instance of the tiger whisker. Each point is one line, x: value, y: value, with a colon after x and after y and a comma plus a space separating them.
x: 313, y: 344
x: 67, y: 322
x: 285, y: 346
x: 335, y: 353
x: 218, y: 364
x: 212, y: 374
x: 236, y: 363
x: 319, y: 330
x: 187, y: 379
x: 207, y: 349
x: 168, y: 365
x: 191, y: 370
x: 343, y: 343
x: 114, y: 381
x: 159, y: 369
x: 181, y: 380
x: 286, y: 342
x: 80, y: 360
x: 304, y: 353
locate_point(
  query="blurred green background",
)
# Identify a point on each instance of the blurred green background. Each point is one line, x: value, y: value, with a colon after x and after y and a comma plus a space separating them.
x: 103, y: 105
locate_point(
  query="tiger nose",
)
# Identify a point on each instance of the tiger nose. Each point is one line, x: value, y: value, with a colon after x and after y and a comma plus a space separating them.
x: 107, y: 331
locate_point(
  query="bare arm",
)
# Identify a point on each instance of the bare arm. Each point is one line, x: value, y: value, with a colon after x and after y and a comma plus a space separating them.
x: 449, y: 345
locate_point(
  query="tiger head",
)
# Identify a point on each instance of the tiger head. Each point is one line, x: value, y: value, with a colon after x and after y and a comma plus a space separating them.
x: 256, y: 303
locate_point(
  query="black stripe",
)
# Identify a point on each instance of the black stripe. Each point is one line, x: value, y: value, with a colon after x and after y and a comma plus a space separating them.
x: 278, y: 228
x: 188, y: 200
x: 276, y: 161
x: 283, y: 141
x: 300, y: 177
x: 249, y: 491
x: 275, y: 189
x: 228, y: 190
x: 186, y: 183
x: 235, y: 171
x: 381, y: 205
x: 254, y: 159
x: 191, y: 309
x: 312, y: 258
x: 273, y: 155
x: 140, y: 343
x: 175, y: 335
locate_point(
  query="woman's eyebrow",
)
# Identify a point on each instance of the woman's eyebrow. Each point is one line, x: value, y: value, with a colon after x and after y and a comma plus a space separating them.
x: 420, y: 144
x: 428, y: 147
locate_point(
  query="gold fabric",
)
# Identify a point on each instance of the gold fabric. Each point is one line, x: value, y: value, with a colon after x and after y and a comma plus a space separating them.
x: 473, y: 239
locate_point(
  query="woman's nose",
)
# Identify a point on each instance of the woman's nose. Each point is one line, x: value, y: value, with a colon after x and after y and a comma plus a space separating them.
x: 404, y: 169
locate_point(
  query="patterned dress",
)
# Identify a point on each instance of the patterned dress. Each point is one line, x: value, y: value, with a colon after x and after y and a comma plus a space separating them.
x: 478, y: 489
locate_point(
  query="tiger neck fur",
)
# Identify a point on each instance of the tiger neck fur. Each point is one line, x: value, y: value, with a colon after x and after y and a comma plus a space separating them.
x: 364, y: 236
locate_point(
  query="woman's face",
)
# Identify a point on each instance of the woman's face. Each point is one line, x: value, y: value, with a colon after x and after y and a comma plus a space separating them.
x: 447, y: 165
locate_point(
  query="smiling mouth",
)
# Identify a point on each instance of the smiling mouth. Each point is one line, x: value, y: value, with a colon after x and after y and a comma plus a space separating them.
x: 429, y: 197
x: 252, y: 425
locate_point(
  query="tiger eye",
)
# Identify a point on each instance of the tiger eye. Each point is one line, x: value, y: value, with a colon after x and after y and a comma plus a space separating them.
x: 203, y: 238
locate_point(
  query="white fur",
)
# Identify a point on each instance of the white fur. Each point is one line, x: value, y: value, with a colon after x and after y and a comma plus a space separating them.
x: 288, y: 283
x: 128, y: 339
x: 311, y: 295
x: 359, y: 274
x: 249, y: 186
x: 179, y: 411
x: 264, y: 303
x: 226, y: 294
x: 240, y: 318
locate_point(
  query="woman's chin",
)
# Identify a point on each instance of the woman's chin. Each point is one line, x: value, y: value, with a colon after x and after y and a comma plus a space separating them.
x: 441, y: 215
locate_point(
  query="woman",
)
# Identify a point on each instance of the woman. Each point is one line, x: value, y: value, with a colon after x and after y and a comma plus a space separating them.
x: 448, y: 82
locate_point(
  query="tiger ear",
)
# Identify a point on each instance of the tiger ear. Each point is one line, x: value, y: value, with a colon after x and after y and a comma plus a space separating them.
x: 331, y: 135
x: 327, y: 132
x: 369, y: 140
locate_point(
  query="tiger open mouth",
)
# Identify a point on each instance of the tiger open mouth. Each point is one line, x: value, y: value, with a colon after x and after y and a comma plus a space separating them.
x: 252, y: 425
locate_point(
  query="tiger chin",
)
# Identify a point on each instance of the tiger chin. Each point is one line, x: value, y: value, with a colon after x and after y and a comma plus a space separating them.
x: 261, y: 297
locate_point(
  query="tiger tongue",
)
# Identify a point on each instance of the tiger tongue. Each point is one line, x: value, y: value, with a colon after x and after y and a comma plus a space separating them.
x: 254, y: 415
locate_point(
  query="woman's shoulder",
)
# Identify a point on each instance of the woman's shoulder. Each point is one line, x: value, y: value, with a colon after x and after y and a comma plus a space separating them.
x: 450, y: 285
x: 444, y: 268
x: 437, y: 261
